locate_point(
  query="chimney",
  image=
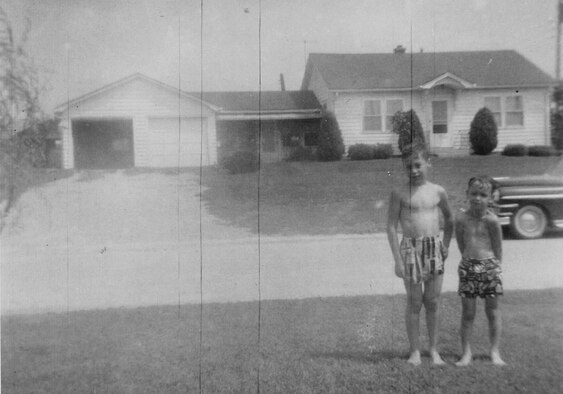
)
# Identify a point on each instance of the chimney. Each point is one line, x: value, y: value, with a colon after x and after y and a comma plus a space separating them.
x: 282, y: 82
x: 399, y: 49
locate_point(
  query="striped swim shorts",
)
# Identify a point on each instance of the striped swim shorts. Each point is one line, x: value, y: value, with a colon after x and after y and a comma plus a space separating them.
x: 422, y: 258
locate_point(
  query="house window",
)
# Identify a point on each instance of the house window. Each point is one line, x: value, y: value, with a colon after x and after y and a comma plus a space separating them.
x: 372, y: 115
x: 514, y: 111
x: 493, y: 104
x: 392, y: 107
x: 439, y: 117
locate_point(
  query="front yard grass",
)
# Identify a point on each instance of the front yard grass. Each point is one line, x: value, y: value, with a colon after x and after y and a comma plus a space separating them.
x: 326, y: 345
x: 347, y: 197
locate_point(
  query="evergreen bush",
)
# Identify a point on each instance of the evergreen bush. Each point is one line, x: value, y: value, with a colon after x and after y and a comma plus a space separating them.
x: 483, y: 132
x: 330, y: 145
x: 407, y: 125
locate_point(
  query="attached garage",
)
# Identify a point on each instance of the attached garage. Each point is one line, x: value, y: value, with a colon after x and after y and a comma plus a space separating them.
x: 178, y: 142
x: 106, y: 143
x: 137, y: 122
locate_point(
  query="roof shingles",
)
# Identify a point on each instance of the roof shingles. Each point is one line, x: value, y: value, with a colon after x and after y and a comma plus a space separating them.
x: 398, y: 71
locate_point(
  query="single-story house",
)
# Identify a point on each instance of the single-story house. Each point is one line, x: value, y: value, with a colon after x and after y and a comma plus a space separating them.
x: 141, y: 122
x: 445, y: 89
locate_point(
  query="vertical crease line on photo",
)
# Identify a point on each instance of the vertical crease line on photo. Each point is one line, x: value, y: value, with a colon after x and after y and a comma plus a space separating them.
x: 69, y: 129
x: 178, y: 170
x: 258, y: 190
x: 200, y: 206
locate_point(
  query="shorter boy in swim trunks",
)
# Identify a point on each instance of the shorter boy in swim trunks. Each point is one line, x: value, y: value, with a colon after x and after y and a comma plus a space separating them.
x: 419, y: 258
x: 479, y: 237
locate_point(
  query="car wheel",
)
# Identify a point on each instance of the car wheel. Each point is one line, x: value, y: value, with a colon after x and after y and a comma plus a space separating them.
x: 529, y: 222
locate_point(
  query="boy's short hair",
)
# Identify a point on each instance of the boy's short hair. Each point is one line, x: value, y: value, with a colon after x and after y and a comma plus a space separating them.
x: 415, y: 149
x: 484, y: 181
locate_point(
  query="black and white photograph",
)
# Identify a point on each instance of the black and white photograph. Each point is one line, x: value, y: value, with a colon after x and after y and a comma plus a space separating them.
x: 267, y: 196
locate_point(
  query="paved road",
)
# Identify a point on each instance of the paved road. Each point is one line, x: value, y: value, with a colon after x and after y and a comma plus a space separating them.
x: 54, y: 279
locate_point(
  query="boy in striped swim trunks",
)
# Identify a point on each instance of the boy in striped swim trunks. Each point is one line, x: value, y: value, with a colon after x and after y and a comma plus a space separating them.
x: 479, y: 237
x: 419, y: 258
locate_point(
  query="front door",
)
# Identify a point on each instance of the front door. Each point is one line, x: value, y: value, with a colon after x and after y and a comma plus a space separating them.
x: 441, y: 133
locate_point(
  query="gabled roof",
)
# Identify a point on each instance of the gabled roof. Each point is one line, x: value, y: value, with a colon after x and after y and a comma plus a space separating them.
x: 385, y: 71
x: 265, y: 101
x: 124, y: 81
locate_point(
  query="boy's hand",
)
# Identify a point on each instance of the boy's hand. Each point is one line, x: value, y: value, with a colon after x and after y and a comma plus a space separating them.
x: 399, y: 270
x: 445, y: 251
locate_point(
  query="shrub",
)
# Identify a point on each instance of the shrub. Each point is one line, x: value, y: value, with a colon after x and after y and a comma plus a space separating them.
x: 361, y: 152
x: 330, y: 145
x: 483, y: 132
x: 407, y: 125
x: 383, y: 151
x: 301, y: 153
x: 542, y: 150
x: 241, y: 162
x: 515, y: 150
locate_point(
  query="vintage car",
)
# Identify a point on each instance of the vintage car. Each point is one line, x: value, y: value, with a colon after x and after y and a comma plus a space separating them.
x: 531, y: 204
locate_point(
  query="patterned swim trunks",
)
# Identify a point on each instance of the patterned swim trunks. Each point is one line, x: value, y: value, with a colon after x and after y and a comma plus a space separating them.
x: 422, y: 258
x: 480, y: 278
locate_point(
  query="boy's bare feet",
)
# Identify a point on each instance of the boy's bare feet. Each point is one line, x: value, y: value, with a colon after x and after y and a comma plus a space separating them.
x: 495, y: 358
x: 436, y: 358
x: 465, y: 360
x: 414, y: 358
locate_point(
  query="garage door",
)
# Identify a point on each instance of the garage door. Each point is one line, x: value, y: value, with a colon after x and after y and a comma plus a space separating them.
x: 177, y: 142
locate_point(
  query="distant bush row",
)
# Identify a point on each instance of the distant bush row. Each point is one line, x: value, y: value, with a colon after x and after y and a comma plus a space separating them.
x: 534, y: 150
x: 370, y: 152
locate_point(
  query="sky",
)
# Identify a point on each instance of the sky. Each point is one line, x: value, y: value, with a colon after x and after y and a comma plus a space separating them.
x: 244, y: 45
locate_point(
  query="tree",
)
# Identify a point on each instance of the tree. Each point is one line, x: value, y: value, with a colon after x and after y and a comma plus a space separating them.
x: 483, y: 132
x: 21, y: 137
x: 330, y: 145
x: 409, y: 128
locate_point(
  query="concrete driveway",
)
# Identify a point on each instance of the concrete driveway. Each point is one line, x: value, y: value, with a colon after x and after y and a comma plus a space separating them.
x: 46, y: 279
x: 99, y: 240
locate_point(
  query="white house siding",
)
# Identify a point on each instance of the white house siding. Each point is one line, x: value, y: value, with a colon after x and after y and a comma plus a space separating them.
x: 536, y: 123
x: 464, y: 105
x: 349, y: 108
x: 138, y: 100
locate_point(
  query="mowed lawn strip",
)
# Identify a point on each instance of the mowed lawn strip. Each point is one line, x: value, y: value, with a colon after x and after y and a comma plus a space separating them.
x: 338, y: 345
x: 346, y: 197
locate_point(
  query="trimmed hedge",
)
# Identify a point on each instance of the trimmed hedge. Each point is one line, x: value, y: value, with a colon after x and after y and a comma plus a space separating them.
x: 542, y: 150
x: 361, y: 152
x: 515, y: 150
x: 370, y: 151
x: 383, y: 151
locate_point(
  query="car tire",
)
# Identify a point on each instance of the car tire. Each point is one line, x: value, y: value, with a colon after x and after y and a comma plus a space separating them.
x: 529, y: 222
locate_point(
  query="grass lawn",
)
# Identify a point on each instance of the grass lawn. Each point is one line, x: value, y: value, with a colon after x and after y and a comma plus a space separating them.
x: 338, y: 345
x: 339, y: 197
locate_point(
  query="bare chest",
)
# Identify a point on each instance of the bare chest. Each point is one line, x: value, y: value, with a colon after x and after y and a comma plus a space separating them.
x: 422, y: 199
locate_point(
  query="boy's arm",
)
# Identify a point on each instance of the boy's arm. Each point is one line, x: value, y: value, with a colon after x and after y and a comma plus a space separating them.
x: 495, y: 233
x: 459, y: 224
x: 448, y: 220
x: 392, y: 223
